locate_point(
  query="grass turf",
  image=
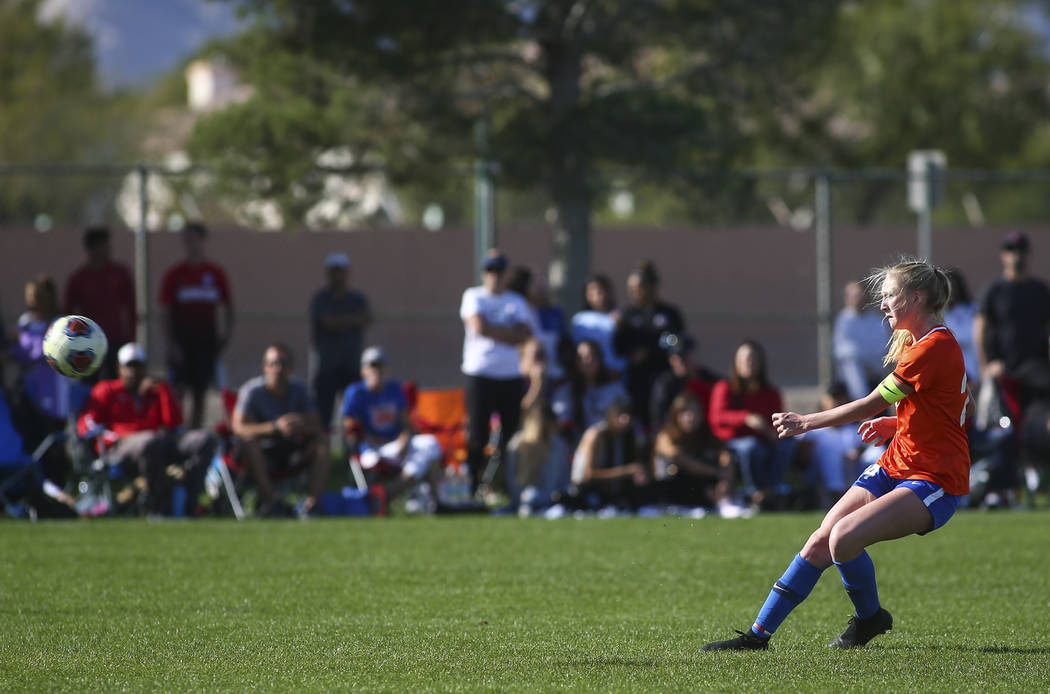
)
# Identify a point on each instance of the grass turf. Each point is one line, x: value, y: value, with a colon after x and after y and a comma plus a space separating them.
x: 504, y: 604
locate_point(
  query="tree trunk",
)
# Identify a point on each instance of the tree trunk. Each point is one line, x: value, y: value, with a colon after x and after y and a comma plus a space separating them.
x: 571, y: 251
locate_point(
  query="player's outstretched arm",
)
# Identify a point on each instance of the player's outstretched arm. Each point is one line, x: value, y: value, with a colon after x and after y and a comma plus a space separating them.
x: 792, y: 424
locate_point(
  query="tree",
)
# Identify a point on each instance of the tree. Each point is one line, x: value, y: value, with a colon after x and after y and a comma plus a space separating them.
x: 968, y: 77
x: 574, y: 93
x: 53, y: 111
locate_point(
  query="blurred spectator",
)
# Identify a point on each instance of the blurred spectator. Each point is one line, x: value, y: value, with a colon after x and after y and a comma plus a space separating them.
x: 859, y: 341
x: 959, y: 316
x: 280, y: 432
x: 537, y: 456
x: 690, y: 465
x: 378, y: 428
x: 593, y: 387
x: 1010, y: 334
x: 741, y: 410
x: 339, y: 316
x: 103, y: 290
x: 638, y: 333
x: 495, y: 322
x: 834, y: 452
x: 1013, y: 319
x: 598, y: 319
x: 191, y: 293
x: 43, y: 495
x: 43, y: 405
x: 549, y: 326
x: 1035, y: 428
x: 608, y: 468
x: 140, y: 421
x: 685, y: 376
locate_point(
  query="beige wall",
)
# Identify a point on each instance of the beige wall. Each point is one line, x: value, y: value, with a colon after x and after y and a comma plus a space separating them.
x: 731, y: 284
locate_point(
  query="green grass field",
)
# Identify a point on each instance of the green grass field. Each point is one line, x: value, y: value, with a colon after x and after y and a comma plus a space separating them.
x: 474, y: 604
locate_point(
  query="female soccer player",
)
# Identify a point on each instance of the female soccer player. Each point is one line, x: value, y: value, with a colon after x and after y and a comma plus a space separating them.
x: 915, y: 486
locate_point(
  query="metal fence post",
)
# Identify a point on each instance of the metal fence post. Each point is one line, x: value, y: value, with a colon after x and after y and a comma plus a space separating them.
x: 142, y: 304
x: 484, y: 198
x: 825, y: 279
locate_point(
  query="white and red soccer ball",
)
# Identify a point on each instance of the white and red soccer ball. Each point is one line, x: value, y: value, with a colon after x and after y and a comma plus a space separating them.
x: 75, y: 346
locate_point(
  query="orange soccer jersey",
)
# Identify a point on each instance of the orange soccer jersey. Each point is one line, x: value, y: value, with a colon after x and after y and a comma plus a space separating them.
x: 930, y: 443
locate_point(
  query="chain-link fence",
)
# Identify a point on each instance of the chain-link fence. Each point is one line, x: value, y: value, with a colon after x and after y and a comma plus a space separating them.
x: 748, y: 254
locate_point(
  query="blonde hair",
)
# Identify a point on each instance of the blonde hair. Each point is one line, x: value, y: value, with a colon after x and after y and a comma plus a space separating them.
x: 918, y: 276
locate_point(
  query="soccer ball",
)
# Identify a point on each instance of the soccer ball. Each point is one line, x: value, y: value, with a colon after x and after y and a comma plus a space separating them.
x: 75, y: 346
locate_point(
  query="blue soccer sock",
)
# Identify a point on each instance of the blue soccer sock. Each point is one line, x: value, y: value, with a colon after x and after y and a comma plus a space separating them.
x: 858, y: 576
x: 788, y: 592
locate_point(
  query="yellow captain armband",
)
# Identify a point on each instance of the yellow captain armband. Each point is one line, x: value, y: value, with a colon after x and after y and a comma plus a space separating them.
x: 890, y: 391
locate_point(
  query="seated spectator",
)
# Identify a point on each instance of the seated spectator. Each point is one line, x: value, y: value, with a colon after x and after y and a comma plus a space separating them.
x: 834, y: 452
x: 858, y: 342
x: 140, y: 421
x: 608, y: 467
x: 685, y: 376
x: 280, y: 432
x: 33, y: 490
x: 43, y: 405
x: 583, y: 401
x: 690, y: 465
x: 638, y: 333
x: 537, y: 456
x: 741, y: 410
x: 377, y: 425
x: 597, y: 321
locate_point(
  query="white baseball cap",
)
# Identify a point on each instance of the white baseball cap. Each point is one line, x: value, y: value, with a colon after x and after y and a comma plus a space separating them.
x: 130, y: 352
x: 373, y: 355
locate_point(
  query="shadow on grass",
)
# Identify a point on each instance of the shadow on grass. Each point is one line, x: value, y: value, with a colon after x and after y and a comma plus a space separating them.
x: 969, y: 649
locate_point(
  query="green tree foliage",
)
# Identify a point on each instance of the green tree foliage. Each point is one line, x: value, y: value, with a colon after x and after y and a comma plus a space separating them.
x: 575, y: 94
x: 968, y: 77
x: 52, y: 111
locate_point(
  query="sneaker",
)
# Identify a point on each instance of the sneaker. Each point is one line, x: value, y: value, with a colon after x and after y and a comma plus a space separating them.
x: 747, y: 641
x: 860, y: 631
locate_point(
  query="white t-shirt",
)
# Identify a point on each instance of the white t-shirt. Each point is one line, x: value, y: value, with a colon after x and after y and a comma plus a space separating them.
x: 483, y: 356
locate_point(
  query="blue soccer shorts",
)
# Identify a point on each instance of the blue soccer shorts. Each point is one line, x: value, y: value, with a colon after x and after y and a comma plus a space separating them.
x: 940, y: 504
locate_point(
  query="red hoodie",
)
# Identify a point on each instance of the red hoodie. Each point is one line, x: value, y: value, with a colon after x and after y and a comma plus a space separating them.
x: 112, y: 406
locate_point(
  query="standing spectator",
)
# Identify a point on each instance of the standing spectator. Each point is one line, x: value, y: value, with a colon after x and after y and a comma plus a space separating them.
x: 598, y: 319
x: 691, y: 466
x: 103, y: 290
x: 959, y: 316
x: 280, y: 432
x: 44, y: 402
x: 857, y: 340
x: 638, y: 333
x: 141, y: 421
x: 685, y: 376
x: 376, y: 422
x: 495, y: 322
x: 550, y: 327
x: 338, y: 319
x: 537, y: 456
x: 1013, y: 319
x: 191, y: 294
x: 583, y: 401
x: 741, y: 411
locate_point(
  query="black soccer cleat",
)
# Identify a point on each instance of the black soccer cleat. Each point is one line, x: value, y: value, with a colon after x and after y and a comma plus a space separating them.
x: 860, y: 631
x: 747, y: 641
